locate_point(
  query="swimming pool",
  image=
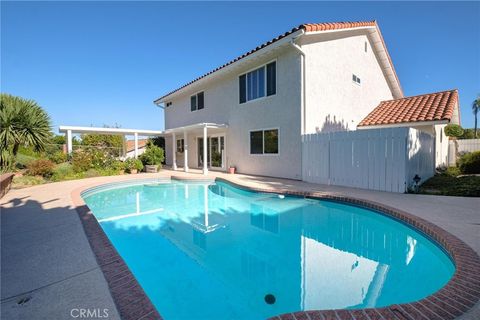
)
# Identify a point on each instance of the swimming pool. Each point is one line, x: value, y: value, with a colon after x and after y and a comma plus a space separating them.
x: 210, y: 251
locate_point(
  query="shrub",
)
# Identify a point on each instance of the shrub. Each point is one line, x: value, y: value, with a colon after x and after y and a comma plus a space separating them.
x: 452, y: 171
x: 117, y: 166
x: 453, y: 130
x: 81, y: 161
x: 132, y: 164
x: 22, y: 160
x: 26, y: 181
x: 40, y: 167
x: 90, y: 173
x: 58, y: 157
x: 153, y: 155
x: 63, y: 171
x: 470, y: 163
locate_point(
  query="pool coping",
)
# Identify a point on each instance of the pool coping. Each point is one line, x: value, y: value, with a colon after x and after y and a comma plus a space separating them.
x: 458, y: 296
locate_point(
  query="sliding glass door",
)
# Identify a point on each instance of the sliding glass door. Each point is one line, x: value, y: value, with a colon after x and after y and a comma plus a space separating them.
x: 215, y: 152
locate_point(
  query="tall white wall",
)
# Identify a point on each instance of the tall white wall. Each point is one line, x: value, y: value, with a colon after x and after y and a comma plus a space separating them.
x: 281, y: 111
x: 333, y: 101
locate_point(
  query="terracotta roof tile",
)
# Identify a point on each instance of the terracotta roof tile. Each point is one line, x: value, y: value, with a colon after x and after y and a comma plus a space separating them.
x: 131, y: 144
x: 308, y: 27
x: 427, y: 107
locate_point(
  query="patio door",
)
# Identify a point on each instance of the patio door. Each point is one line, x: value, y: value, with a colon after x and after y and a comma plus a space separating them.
x: 215, y: 152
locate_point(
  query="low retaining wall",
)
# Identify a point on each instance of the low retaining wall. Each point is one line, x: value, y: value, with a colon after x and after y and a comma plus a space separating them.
x: 5, y: 183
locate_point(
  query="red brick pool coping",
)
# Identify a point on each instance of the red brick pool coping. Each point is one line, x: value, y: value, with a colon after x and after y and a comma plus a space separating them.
x: 459, y: 295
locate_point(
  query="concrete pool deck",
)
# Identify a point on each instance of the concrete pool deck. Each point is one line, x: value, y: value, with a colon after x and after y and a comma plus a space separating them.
x: 47, y: 258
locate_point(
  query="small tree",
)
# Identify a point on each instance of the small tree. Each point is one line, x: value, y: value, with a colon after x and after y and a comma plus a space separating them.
x: 453, y: 130
x: 153, y: 155
x: 22, y: 123
x: 476, y: 109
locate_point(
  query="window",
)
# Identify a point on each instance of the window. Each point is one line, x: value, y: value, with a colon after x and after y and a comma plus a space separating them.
x: 366, y: 46
x: 180, y: 145
x: 169, y: 104
x: 264, y: 142
x: 356, y: 79
x: 197, y: 101
x: 258, y: 83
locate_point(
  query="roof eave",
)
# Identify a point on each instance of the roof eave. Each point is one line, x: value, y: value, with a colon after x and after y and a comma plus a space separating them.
x: 403, y: 124
x: 231, y: 66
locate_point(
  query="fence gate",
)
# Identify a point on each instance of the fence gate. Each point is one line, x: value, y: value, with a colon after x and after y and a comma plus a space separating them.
x: 377, y: 159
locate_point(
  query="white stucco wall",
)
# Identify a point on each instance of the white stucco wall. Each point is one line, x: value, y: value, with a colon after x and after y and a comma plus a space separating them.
x: 333, y: 101
x: 281, y: 111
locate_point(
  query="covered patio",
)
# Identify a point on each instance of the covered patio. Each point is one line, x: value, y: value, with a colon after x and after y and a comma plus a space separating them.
x: 205, y: 140
x: 70, y: 130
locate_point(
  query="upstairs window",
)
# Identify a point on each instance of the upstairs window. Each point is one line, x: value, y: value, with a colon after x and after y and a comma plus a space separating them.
x: 258, y: 83
x: 356, y: 79
x: 168, y: 104
x: 197, y: 101
x: 264, y: 142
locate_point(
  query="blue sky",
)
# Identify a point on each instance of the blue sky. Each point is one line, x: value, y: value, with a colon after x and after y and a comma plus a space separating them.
x: 95, y: 63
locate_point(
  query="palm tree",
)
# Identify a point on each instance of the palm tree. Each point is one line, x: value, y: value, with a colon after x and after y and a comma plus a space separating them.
x: 22, y: 122
x: 476, y: 109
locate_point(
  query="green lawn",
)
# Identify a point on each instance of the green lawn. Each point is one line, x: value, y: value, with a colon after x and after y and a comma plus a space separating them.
x: 448, y: 185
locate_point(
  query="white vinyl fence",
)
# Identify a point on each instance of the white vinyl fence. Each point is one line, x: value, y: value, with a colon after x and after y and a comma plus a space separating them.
x: 377, y: 159
x: 464, y: 145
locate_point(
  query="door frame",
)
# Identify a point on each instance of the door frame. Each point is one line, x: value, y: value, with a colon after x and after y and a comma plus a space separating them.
x: 224, y: 157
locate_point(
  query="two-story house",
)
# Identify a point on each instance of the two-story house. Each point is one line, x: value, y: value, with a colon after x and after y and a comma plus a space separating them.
x: 251, y: 112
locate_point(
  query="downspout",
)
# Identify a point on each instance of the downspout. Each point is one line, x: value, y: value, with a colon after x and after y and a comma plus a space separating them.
x: 303, y: 95
x: 303, y: 102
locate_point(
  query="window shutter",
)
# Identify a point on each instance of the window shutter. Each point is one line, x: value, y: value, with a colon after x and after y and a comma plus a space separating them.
x: 193, y: 103
x: 271, y: 78
x: 200, y: 103
x: 243, y: 87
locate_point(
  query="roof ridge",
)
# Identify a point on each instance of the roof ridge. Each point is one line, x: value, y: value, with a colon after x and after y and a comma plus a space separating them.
x: 306, y: 27
x: 419, y: 95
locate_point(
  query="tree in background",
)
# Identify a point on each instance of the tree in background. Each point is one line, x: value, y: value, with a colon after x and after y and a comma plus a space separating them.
x: 110, y: 143
x: 22, y: 123
x: 476, y: 109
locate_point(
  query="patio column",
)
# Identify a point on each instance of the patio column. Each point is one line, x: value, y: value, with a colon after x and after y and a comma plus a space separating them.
x: 69, y: 142
x: 205, y: 160
x: 185, y: 151
x: 135, y: 135
x: 205, y: 205
x: 174, y: 151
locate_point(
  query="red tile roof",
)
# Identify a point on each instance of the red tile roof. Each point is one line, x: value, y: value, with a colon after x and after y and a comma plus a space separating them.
x: 131, y: 144
x: 427, y: 107
x: 308, y: 27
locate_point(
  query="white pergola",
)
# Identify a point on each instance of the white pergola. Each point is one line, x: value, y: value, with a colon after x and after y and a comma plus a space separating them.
x: 69, y: 130
x: 185, y: 130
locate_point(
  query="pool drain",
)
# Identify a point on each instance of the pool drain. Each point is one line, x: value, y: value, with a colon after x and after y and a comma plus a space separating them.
x: 23, y: 300
x: 270, y: 299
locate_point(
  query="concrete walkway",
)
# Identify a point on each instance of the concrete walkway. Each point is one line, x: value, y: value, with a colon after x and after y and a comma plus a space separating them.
x: 46, y: 257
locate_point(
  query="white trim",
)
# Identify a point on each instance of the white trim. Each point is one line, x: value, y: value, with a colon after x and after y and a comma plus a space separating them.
x: 214, y: 135
x: 264, y: 66
x: 263, y: 142
x: 102, y: 130
x: 404, y: 124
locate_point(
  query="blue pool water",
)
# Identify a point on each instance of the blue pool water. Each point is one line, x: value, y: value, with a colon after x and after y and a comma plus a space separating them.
x: 213, y: 251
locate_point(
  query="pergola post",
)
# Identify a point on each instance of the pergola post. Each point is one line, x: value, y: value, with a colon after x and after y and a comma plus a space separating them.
x: 174, y: 151
x: 135, y: 135
x: 69, y: 142
x: 185, y: 151
x: 205, y: 161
